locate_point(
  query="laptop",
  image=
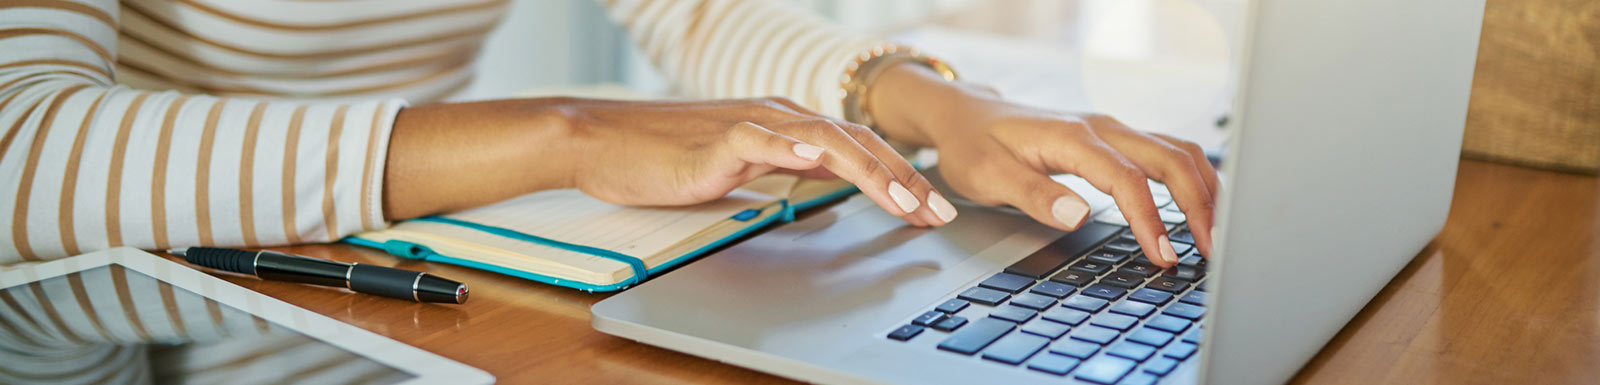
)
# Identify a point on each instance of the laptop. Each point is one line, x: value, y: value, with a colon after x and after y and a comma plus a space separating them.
x: 1347, y: 130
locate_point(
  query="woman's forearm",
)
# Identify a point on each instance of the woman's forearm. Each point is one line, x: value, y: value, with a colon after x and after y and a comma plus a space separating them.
x: 446, y: 157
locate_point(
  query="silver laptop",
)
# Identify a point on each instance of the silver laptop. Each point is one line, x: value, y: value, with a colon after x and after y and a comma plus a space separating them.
x: 1349, y: 119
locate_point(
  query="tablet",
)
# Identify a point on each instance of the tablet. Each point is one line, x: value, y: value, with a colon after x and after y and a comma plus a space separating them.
x: 200, y: 329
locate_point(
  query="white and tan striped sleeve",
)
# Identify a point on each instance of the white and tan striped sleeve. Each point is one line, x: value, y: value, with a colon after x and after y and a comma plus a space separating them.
x: 745, y: 48
x: 90, y: 165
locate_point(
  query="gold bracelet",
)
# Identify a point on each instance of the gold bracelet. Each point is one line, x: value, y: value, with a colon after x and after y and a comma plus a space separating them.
x: 861, y: 74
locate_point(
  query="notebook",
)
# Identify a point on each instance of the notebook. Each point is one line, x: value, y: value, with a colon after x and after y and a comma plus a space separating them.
x: 566, y: 238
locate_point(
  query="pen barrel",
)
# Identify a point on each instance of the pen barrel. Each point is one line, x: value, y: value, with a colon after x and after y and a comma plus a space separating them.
x: 384, y: 281
x: 284, y: 267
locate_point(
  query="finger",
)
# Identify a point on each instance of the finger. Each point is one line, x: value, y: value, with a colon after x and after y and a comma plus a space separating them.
x: 755, y: 144
x: 815, y: 173
x: 1034, y: 193
x: 1079, y: 151
x: 1171, y: 165
x: 850, y: 161
x: 1207, y: 171
x: 1203, y: 234
x: 937, y: 211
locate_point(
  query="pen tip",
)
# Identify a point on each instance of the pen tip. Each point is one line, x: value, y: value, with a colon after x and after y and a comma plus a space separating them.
x: 178, y: 252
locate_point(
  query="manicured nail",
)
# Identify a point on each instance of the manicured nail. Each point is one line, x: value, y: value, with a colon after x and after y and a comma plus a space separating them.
x: 807, y: 152
x: 941, y: 207
x: 902, y: 197
x: 1166, y: 249
x: 1069, y: 211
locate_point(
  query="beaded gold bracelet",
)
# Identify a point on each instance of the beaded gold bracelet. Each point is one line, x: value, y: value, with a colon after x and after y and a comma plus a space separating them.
x: 860, y: 75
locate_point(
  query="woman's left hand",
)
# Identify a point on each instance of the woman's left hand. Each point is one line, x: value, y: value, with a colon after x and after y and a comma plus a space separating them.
x: 996, y: 152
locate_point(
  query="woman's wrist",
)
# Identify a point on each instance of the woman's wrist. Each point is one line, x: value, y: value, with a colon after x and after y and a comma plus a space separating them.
x: 446, y: 157
x: 914, y: 104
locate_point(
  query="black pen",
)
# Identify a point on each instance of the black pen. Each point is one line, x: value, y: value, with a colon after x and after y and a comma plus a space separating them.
x: 370, y: 279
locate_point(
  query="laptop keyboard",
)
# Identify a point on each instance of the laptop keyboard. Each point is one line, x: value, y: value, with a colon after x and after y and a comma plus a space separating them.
x: 1089, y: 306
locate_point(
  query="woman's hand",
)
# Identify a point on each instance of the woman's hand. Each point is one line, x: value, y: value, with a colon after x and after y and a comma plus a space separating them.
x: 996, y: 152
x: 636, y: 153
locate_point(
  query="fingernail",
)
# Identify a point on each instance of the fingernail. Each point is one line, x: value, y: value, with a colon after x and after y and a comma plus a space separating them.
x: 1069, y: 211
x: 807, y: 152
x: 902, y: 197
x: 941, y: 207
x: 1166, y: 249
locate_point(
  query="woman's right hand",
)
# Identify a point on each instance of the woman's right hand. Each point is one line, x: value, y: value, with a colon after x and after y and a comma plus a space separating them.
x: 453, y: 156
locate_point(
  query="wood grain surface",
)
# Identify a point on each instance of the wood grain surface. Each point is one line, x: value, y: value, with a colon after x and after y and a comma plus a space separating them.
x: 1536, y: 93
x: 1509, y: 292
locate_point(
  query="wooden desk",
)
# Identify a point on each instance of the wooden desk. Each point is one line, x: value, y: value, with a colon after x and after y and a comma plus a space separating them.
x: 1508, y: 293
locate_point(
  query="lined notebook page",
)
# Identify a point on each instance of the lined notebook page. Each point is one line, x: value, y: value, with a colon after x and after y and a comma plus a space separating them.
x: 572, y: 217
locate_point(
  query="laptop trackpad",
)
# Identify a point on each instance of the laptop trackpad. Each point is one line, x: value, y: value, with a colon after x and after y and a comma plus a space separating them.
x: 865, y: 231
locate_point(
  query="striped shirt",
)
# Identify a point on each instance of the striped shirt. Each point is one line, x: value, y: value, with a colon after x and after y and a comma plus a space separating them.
x: 167, y: 123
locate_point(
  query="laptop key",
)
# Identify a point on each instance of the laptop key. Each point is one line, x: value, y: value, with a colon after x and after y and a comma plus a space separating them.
x: 1180, y: 248
x: 1107, y: 257
x: 1085, y: 303
x: 1201, y: 286
x: 1185, y: 273
x: 1181, y: 351
x: 1053, y: 289
x: 1053, y: 363
x: 1104, y: 291
x: 1033, y: 301
x: 1121, y: 246
x: 984, y: 296
x: 1046, y: 329
x: 1128, y: 236
x: 1010, y: 283
x: 1123, y: 279
x: 1073, y: 277
x: 1132, y: 351
x: 975, y: 336
x: 1142, y: 267
x: 1149, y: 336
x: 1193, y: 336
x: 1184, y: 310
x: 1168, y: 284
x: 1063, y: 250
x: 1064, y: 315
x: 1151, y: 296
x: 1182, y: 236
x: 1015, y: 348
x: 1091, y: 267
x: 1095, y: 334
x: 950, y: 323
x: 929, y: 318
x: 1160, y: 366
x: 1133, y: 308
x: 1075, y: 348
x: 1168, y: 323
x: 953, y: 305
x: 905, y: 332
x: 1114, y: 321
x: 1140, y: 378
x: 1013, y: 313
x: 1197, y: 298
x: 1105, y: 370
x: 1192, y: 260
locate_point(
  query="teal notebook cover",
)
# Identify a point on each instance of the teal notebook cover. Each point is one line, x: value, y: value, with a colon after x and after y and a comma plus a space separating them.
x: 412, y: 250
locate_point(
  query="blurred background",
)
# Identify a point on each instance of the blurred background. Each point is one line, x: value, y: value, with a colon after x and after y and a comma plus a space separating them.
x: 1159, y: 65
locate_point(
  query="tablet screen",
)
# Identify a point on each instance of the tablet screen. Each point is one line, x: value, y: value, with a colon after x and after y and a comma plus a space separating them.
x: 118, y: 325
